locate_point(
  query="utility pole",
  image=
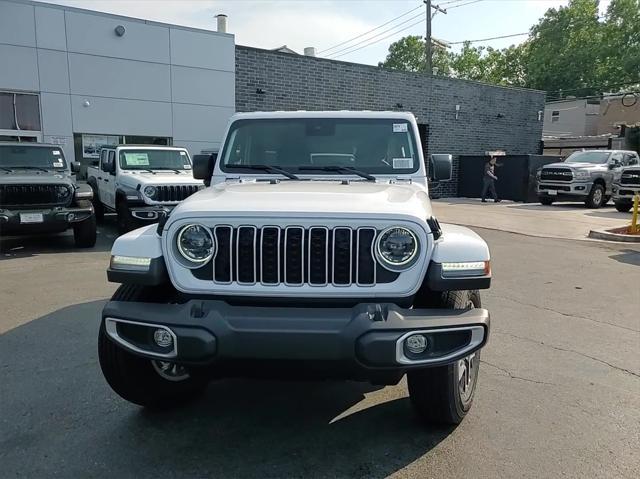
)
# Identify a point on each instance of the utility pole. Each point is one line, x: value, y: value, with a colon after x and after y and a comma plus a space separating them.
x: 428, y: 47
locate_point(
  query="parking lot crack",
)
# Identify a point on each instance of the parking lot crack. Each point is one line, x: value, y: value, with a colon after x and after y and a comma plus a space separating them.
x: 513, y: 376
x: 562, y: 313
x: 567, y: 350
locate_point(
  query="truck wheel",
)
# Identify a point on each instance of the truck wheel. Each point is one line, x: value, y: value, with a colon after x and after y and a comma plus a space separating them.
x: 596, y: 197
x: 623, y: 207
x: 84, y: 233
x: 149, y: 383
x: 545, y: 200
x: 125, y: 222
x: 444, y: 394
x: 97, y: 204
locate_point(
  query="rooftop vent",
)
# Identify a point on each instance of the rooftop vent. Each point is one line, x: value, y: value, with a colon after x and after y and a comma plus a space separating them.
x: 222, y: 23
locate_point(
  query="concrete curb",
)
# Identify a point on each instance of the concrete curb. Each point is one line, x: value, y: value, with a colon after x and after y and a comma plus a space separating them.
x: 620, y: 238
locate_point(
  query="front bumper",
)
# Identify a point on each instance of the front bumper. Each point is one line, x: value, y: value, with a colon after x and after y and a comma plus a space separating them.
x: 574, y: 190
x: 624, y: 193
x: 363, y: 340
x: 57, y: 219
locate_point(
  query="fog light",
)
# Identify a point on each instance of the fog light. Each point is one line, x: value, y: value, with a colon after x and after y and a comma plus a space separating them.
x: 416, y: 343
x: 71, y: 217
x: 163, y: 338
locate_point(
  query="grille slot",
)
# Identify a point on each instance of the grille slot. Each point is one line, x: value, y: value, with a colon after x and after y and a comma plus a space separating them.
x: 556, y: 174
x: 630, y: 178
x: 175, y: 192
x: 20, y: 195
x: 295, y: 256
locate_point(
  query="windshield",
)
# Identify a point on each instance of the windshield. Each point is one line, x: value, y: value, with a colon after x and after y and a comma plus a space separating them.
x: 14, y: 156
x: 595, y: 157
x: 378, y: 146
x: 154, y: 159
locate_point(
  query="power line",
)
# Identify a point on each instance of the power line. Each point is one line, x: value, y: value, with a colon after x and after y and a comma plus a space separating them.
x: 380, y: 39
x: 372, y: 30
x: 487, y: 39
x: 463, y: 4
x: 420, y: 15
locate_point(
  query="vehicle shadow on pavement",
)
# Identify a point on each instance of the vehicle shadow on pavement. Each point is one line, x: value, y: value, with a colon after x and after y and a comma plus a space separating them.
x: 628, y: 256
x: 60, y: 417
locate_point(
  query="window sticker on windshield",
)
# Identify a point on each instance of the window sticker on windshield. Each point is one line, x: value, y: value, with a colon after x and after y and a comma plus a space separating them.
x: 58, y: 164
x: 136, y: 159
x: 56, y: 152
x: 402, y: 163
x: 183, y: 153
x: 399, y: 127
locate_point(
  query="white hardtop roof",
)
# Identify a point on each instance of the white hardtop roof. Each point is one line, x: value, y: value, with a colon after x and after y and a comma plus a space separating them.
x: 390, y: 115
x: 146, y: 147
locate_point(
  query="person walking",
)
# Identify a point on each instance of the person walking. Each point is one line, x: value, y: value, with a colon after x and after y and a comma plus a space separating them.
x: 489, y: 180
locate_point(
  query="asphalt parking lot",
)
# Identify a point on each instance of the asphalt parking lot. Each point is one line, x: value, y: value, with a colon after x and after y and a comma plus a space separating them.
x: 559, y: 391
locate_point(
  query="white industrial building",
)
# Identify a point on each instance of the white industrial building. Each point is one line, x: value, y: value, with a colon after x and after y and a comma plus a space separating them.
x: 81, y: 78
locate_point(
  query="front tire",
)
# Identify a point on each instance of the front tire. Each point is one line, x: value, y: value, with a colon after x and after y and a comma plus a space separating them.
x: 84, y: 233
x: 152, y: 384
x: 444, y: 394
x: 623, y: 207
x: 125, y: 222
x: 97, y: 204
x: 545, y: 200
x: 596, y: 197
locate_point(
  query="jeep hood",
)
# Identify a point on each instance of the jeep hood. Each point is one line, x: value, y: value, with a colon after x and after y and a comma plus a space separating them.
x: 308, y: 198
x: 34, y: 177
x: 163, y: 178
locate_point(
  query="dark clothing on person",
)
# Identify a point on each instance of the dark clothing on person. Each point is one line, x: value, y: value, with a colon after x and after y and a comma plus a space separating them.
x: 489, y: 182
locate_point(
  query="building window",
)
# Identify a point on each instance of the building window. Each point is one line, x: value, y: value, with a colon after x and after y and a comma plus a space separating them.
x: 19, y: 112
x: 555, y: 116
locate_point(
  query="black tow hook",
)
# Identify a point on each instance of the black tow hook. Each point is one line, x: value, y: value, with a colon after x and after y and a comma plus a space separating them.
x: 376, y: 312
x: 197, y: 310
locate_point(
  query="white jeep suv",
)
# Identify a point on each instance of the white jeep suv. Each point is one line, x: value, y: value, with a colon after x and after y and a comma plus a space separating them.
x: 313, y: 252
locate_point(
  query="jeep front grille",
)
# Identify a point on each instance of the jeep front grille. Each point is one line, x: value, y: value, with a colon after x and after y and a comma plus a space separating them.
x: 294, y: 256
x: 175, y: 192
x: 32, y: 195
x: 630, y: 178
x: 556, y: 174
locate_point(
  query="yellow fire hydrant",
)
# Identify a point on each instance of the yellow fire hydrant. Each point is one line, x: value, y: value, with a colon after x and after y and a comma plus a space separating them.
x: 633, y: 229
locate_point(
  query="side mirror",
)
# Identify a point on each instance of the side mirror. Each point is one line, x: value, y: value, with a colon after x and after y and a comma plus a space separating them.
x: 441, y: 167
x: 75, y: 167
x: 614, y: 164
x: 203, y: 166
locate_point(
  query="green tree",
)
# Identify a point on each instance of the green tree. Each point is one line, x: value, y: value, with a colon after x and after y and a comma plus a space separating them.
x: 409, y: 54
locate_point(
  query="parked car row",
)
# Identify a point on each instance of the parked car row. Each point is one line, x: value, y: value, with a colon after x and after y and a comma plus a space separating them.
x: 593, y: 177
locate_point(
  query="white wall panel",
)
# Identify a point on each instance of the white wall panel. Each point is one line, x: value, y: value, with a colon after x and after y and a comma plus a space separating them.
x: 203, y: 87
x: 17, y: 26
x: 18, y: 68
x: 200, y: 123
x: 196, y: 147
x: 112, y: 77
x: 50, y: 28
x: 54, y: 74
x: 196, y: 49
x: 56, y: 114
x: 130, y: 117
x: 95, y: 34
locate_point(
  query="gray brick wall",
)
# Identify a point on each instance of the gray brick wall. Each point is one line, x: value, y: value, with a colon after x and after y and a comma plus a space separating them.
x: 490, y: 117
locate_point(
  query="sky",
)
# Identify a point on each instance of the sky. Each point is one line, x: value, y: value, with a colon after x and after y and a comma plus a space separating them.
x: 326, y: 23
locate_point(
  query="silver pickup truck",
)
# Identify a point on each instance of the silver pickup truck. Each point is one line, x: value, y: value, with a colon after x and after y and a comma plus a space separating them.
x: 625, y: 186
x: 584, y: 176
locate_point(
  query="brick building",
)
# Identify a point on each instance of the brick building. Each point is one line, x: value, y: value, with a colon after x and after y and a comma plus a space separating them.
x: 458, y: 116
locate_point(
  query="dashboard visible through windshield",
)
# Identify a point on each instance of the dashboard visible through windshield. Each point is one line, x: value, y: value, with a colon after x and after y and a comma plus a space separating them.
x: 322, y: 145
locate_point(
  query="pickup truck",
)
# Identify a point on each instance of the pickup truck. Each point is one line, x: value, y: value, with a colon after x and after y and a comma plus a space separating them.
x: 584, y: 176
x: 313, y: 252
x: 140, y: 183
x: 625, y: 186
x: 39, y: 194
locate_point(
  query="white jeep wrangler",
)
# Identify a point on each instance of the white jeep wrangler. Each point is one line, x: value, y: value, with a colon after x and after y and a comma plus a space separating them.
x: 140, y: 183
x: 312, y: 253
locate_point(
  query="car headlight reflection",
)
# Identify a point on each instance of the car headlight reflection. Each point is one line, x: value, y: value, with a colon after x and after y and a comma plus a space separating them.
x: 396, y: 248
x: 195, y: 244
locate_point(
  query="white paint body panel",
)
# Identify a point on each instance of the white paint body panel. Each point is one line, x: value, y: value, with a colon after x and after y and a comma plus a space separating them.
x: 459, y: 244
x: 141, y: 243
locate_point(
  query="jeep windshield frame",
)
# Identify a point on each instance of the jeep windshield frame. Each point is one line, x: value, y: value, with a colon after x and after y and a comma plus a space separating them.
x: 32, y: 157
x: 308, y: 145
x: 593, y: 157
x: 154, y: 159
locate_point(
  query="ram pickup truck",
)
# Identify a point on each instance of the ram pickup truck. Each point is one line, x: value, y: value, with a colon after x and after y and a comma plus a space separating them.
x: 584, y: 176
x: 39, y: 194
x: 625, y: 186
x: 313, y: 252
x: 140, y: 183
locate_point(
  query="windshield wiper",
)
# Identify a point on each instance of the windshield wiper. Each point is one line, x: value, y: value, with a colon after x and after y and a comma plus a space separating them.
x: 32, y: 168
x: 6, y: 169
x: 340, y: 169
x: 267, y: 168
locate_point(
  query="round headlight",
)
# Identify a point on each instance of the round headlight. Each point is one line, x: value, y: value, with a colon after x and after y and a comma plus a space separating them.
x: 150, y: 191
x: 195, y: 244
x: 62, y: 191
x: 396, y: 247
